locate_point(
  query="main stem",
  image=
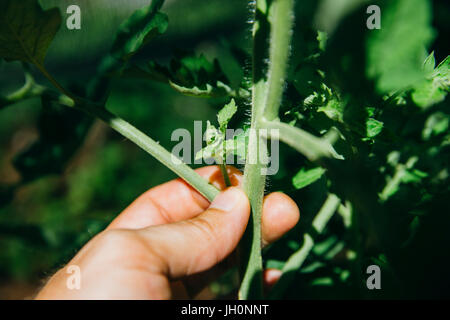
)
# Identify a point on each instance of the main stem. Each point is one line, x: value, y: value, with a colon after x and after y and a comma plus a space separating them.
x: 266, y: 99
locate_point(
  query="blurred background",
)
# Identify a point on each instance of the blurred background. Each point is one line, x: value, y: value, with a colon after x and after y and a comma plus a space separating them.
x: 52, y: 215
x: 46, y: 216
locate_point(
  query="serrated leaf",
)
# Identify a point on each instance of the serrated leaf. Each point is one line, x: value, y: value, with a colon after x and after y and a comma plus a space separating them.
x: 188, y: 73
x: 212, y: 134
x: 306, y: 177
x: 224, y: 116
x: 435, y: 88
x: 209, y: 91
x: 429, y: 64
x: 428, y: 94
x: 26, y: 30
x: 394, y: 52
x: 443, y: 69
x: 333, y: 109
x: 214, y: 143
x: 143, y: 25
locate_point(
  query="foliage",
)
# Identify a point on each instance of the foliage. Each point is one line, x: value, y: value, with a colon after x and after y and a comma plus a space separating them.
x: 27, y: 31
x: 365, y: 113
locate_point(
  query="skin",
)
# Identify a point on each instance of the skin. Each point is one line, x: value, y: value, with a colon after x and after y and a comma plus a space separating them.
x: 170, y: 242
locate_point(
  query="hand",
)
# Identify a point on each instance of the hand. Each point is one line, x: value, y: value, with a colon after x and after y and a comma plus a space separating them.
x: 166, y: 238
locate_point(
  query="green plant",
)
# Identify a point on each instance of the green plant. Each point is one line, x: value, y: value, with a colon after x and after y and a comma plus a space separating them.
x: 337, y: 102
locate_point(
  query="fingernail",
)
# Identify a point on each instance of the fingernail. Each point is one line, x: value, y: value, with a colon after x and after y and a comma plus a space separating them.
x: 227, y: 200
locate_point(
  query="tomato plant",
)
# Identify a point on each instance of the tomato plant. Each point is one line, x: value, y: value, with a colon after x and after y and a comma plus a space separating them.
x: 365, y: 108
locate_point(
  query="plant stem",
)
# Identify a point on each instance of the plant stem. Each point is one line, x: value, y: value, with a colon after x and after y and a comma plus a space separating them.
x: 226, y: 178
x: 30, y: 89
x: 281, y: 19
x: 266, y: 99
x: 254, y: 181
x: 254, y: 184
x: 298, y: 258
x: 55, y: 83
x: 304, y: 142
x: 138, y: 137
x: 153, y: 148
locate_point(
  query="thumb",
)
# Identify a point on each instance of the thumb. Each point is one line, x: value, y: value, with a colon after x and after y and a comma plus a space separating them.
x: 195, y: 245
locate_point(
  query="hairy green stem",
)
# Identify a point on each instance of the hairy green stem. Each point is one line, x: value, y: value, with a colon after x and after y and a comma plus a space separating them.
x: 138, y: 137
x: 266, y: 99
x: 298, y: 258
x: 153, y: 148
x: 281, y: 18
x: 304, y: 142
x: 29, y: 90
x: 254, y: 181
x: 33, y: 90
x: 254, y: 184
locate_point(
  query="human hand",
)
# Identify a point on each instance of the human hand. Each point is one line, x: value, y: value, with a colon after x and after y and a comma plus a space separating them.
x: 169, y: 242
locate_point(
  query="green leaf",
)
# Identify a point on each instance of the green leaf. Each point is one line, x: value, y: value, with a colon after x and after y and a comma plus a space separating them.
x: 188, y: 73
x: 435, y: 125
x: 428, y: 93
x: 414, y: 176
x: 145, y: 24
x: 435, y: 88
x: 224, y: 116
x: 208, y: 91
x: 306, y: 177
x: 443, y: 69
x: 333, y: 109
x: 429, y: 64
x: 394, y: 53
x: 214, y: 143
x: 404, y: 173
x: 373, y: 127
x: 26, y: 30
x: 195, y: 75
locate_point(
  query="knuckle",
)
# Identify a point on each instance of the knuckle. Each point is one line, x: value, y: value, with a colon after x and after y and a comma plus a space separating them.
x: 205, y: 228
x: 116, y: 239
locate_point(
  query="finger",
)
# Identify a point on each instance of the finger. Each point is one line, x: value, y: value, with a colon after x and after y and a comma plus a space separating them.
x: 172, y: 201
x: 191, y: 246
x: 270, y: 278
x: 280, y: 214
